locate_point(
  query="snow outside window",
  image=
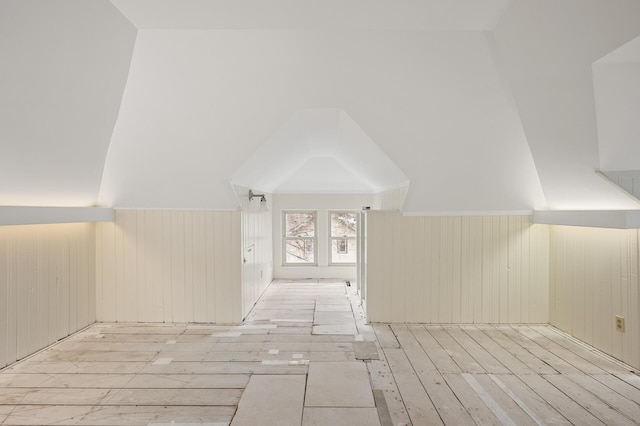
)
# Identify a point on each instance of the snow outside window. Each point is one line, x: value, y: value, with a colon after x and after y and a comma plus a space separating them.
x: 343, y: 226
x: 299, y: 238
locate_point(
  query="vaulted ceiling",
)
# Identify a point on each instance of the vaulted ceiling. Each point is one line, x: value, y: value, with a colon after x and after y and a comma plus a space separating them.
x: 493, y: 106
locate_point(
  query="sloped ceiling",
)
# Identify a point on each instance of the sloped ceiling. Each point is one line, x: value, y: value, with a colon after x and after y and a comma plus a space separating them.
x: 63, y: 68
x: 319, y: 150
x: 545, y: 50
x: 448, y: 15
x: 616, y: 80
x: 323, y: 175
x: 483, y: 106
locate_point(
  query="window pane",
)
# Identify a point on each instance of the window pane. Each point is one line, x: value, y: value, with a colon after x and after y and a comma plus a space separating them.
x: 300, y: 224
x: 300, y: 251
x: 344, y: 224
x: 343, y: 250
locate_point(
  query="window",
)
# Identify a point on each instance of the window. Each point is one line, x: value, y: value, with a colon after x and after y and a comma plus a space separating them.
x: 299, y: 237
x: 342, y: 238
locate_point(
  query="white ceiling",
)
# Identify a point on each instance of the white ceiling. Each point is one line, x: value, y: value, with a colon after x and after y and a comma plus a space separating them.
x: 545, y: 50
x: 319, y: 150
x: 319, y: 175
x: 63, y: 68
x: 616, y: 81
x: 450, y: 15
x: 492, y: 106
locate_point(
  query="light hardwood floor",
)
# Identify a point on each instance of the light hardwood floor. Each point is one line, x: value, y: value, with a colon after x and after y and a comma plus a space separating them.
x: 306, y: 356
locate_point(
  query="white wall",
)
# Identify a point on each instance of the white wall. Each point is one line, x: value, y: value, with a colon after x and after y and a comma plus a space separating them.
x: 482, y: 269
x: 169, y: 266
x: 593, y: 278
x: 47, y: 285
x: 257, y: 248
x: 322, y: 203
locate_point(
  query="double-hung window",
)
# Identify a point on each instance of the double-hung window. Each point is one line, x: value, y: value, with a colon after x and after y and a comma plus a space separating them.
x: 343, y: 227
x: 299, y: 237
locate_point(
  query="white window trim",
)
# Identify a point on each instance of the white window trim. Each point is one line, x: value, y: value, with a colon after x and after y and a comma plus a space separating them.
x: 331, y: 238
x: 285, y: 238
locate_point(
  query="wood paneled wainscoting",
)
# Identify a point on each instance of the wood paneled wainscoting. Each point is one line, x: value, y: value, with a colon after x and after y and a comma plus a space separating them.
x: 444, y: 270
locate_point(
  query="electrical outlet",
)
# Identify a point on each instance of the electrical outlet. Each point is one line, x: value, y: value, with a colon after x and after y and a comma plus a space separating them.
x: 620, y: 323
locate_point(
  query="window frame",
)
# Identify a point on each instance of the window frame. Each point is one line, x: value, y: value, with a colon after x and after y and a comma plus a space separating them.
x: 331, y: 238
x: 285, y: 238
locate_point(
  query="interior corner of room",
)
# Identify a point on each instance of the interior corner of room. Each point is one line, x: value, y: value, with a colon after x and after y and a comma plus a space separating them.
x: 489, y: 153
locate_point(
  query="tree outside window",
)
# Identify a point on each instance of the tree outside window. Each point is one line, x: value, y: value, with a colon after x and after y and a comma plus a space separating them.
x: 299, y: 239
x: 343, y: 227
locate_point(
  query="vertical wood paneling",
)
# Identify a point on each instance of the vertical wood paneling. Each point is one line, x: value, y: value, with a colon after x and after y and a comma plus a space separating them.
x: 595, y: 272
x: 43, y: 291
x: 466, y: 312
x: 616, y: 291
x: 539, y: 285
x: 514, y: 260
x: 64, y: 307
x: 222, y: 297
x: 143, y: 308
x: 475, y: 274
x: 199, y: 268
x: 445, y: 271
x: 211, y: 267
x: 4, y: 297
x: 90, y: 236
x: 495, y: 269
x: 178, y: 266
x: 99, y: 273
x: 129, y: 259
x: 525, y: 269
x: 427, y: 260
x: 387, y: 297
x: 73, y: 279
x: 634, y: 296
x: 375, y: 290
x: 397, y: 301
x: 257, y: 249
x: 578, y: 288
x: 166, y: 267
x: 589, y: 285
x: 456, y: 266
x: 12, y: 299
x: 44, y: 285
x: 235, y: 265
x: 460, y: 269
x: 503, y: 268
x: 119, y: 253
x: 153, y: 232
x: 171, y: 266
x: 21, y: 268
x: 434, y: 303
x: 188, y: 267
x: 414, y: 235
x: 487, y: 267
x: 52, y: 320
x: 82, y: 273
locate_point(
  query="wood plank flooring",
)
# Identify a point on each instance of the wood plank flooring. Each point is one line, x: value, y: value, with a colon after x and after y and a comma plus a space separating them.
x: 513, y: 375
x: 302, y: 340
